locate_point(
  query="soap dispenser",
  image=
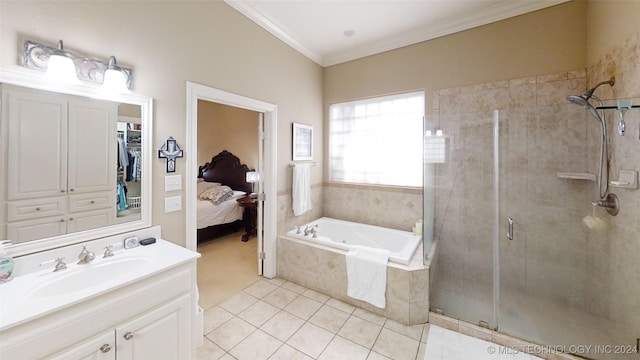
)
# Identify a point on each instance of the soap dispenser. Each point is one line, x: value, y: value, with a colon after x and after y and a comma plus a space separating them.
x: 6, y: 262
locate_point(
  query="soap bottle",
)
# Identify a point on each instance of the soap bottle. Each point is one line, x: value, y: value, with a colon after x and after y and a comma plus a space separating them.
x: 6, y: 263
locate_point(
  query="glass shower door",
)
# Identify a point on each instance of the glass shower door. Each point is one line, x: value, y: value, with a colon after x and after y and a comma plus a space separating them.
x: 464, y: 185
x: 558, y: 277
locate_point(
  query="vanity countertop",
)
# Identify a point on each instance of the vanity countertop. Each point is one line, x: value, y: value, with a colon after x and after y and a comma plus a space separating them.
x: 42, y: 292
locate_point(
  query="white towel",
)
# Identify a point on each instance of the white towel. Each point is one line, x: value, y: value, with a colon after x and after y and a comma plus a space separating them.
x: 301, y: 189
x: 367, y: 274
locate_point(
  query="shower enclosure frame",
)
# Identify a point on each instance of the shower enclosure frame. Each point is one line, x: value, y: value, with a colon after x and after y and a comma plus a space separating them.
x: 504, y: 223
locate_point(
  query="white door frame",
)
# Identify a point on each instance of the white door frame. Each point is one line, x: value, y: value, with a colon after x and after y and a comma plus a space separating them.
x: 197, y: 92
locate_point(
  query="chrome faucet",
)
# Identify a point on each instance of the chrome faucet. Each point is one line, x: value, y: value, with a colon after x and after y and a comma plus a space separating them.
x: 310, y: 230
x: 108, y: 251
x: 85, y: 256
x: 59, y: 266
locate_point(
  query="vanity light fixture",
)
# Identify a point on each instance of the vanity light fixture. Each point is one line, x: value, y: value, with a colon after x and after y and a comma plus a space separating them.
x: 45, y: 58
x: 60, y: 67
x: 115, y: 80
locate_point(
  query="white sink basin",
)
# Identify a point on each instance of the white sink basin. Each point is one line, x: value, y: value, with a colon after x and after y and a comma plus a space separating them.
x: 30, y: 295
x: 90, y: 275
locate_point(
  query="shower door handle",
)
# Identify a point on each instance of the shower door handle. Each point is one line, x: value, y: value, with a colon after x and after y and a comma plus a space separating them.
x: 509, y: 228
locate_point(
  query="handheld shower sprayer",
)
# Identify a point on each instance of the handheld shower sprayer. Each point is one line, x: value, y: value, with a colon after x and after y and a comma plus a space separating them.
x: 583, y: 100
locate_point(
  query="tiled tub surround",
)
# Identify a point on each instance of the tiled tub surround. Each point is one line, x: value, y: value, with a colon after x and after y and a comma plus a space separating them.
x: 390, y: 207
x: 324, y: 269
x: 561, y: 283
x: 286, y: 219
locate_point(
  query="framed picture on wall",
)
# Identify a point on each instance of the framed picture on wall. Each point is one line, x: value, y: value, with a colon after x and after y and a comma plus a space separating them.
x: 302, y: 142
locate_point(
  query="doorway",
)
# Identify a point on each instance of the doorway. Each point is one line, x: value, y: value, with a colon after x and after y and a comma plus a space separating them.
x: 227, y: 233
x: 268, y: 181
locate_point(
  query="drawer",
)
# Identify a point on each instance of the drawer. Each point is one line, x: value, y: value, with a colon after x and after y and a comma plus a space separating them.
x: 92, y: 201
x: 35, y: 208
x: 34, y: 229
x: 87, y: 220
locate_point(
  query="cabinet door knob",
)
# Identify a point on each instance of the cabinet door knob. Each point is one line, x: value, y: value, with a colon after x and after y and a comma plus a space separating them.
x: 70, y: 219
x: 37, y: 209
x: 128, y: 335
x: 61, y: 220
x: 71, y: 190
x: 62, y: 191
x: 105, y: 348
x: 92, y: 202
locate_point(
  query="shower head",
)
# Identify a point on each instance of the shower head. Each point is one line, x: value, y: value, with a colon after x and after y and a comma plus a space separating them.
x: 578, y: 100
x: 583, y: 100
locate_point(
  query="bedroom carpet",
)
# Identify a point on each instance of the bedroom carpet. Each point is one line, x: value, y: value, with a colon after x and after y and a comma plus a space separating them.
x: 227, y: 266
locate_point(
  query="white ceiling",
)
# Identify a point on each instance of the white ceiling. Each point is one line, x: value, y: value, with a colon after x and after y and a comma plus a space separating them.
x: 316, y: 28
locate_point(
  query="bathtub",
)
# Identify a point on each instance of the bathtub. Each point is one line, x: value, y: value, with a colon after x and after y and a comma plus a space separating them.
x: 342, y: 234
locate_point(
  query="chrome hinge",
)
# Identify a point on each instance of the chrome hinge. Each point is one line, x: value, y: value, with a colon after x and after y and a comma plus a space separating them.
x: 261, y: 255
x: 263, y: 135
x: 261, y: 197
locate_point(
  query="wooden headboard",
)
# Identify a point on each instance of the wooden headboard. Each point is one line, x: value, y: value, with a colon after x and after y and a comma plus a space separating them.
x: 225, y: 168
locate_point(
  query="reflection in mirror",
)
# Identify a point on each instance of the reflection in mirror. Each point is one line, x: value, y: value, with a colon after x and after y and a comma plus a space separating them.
x: 73, y: 167
x: 129, y: 165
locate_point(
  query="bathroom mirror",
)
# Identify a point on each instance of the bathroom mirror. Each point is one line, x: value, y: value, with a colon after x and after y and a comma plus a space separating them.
x: 75, y: 163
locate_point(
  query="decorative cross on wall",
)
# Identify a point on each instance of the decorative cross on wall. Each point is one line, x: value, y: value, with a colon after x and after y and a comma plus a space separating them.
x: 170, y: 151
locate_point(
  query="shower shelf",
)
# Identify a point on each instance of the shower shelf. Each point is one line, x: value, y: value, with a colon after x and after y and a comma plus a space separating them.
x: 577, y: 176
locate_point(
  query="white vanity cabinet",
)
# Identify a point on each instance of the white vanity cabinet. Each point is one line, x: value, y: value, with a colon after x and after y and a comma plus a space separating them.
x: 100, y: 347
x: 154, y: 335
x: 61, y: 151
x: 151, y: 318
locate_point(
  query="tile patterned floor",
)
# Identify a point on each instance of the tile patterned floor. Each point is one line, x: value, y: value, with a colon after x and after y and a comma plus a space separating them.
x: 450, y: 345
x: 277, y: 319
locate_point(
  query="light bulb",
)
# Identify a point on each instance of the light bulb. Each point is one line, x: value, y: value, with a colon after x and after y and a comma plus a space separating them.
x: 115, y: 81
x: 60, y: 67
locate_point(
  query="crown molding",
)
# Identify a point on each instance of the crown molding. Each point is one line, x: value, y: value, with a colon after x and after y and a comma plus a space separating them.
x: 445, y: 27
x: 271, y: 25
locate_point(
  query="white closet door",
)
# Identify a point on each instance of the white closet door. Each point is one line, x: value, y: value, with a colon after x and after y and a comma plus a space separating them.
x: 92, y: 146
x: 37, y: 151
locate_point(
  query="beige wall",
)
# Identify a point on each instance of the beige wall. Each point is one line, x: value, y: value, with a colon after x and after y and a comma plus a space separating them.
x: 168, y: 43
x: 546, y: 41
x: 609, y: 23
x: 223, y: 127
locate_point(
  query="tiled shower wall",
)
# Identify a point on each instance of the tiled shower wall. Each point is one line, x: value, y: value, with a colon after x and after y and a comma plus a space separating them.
x: 616, y: 270
x: 540, y: 135
x: 553, y: 256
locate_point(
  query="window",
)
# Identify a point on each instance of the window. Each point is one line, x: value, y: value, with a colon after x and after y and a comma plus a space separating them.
x: 378, y: 140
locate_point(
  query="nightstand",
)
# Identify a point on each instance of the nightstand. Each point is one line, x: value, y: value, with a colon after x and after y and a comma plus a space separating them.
x: 249, y: 217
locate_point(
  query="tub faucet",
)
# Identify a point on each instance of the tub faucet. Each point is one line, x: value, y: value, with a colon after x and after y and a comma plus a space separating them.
x: 85, y: 256
x: 310, y: 230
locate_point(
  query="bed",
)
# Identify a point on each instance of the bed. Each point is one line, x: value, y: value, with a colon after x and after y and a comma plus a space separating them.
x: 218, y: 211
